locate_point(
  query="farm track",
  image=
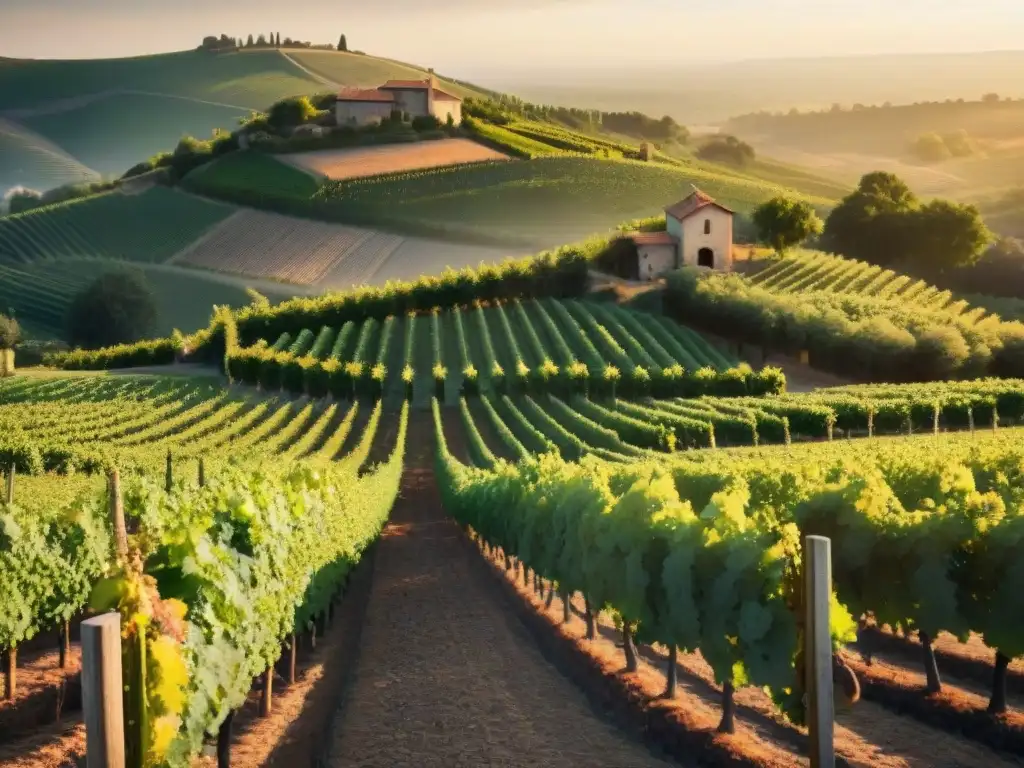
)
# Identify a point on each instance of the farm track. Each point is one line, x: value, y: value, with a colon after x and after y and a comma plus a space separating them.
x: 445, y: 675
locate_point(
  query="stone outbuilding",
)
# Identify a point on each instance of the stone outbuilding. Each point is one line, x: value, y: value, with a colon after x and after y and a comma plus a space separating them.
x: 698, y: 233
x: 415, y: 98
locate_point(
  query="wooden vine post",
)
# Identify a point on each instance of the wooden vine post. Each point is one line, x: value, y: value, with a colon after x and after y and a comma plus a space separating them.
x: 9, y: 497
x: 102, y: 705
x: 117, y: 515
x: 818, y: 651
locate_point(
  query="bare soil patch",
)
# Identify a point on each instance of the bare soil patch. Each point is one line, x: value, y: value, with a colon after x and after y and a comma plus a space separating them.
x: 361, y: 162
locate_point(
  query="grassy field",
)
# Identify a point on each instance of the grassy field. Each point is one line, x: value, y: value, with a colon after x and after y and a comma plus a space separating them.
x: 540, y: 202
x: 49, y: 254
x: 29, y: 160
x: 38, y: 294
x: 113, y: 133
x: 147, y: 227
x: 252, y: 79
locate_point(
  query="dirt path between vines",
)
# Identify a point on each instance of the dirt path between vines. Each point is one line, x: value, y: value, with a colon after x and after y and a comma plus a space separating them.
x: 446, y: 674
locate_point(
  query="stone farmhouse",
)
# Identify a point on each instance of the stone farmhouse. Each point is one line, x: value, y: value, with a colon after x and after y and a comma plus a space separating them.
x: 698, y: 233
x: 415, y: 98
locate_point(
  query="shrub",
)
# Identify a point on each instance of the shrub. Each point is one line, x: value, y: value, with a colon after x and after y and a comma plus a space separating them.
x: 727, y: 149
x: 116, y: 308
x: 425, y: 123
x: 290, y: 112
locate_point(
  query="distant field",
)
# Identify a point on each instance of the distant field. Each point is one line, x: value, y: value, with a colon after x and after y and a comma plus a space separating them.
x: 113, y: 133
x: 331, y: 256
x: 883, y: 130
x: 28, y: 160
x: 351, y: 69
x: 357, y: 163
x: 148, y: 227
x: 252, y: 79
x: 526, y: 204
x: 38, y: 294
x: 291, y: 250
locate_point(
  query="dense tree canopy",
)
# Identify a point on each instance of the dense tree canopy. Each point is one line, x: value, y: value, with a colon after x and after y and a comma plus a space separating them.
x: 117, y: 308
x: 783, y: 223
x: 884, y: 223
x: 727, y: 149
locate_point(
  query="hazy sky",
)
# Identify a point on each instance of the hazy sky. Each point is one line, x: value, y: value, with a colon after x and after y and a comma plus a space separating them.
x: 479, y: 37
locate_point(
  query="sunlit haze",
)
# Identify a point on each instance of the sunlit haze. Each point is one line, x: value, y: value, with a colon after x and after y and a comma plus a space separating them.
x: 482, y: 38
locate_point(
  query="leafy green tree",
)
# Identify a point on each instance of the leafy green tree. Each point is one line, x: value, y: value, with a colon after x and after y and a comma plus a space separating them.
x: 249, y: 43
x: 869, y: 224
x: 116, y: 308
x: 783, y: 223
x: 291, y: 112
x: 10, y: 333
x: 342, y: 44
x: 727, y: 149
x: 946, y: 235
x: 883, y: 222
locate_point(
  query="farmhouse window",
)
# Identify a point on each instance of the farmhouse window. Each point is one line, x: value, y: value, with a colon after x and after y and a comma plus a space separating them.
x: 707, y: 226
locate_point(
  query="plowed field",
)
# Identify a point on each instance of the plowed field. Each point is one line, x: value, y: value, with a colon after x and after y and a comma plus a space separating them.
x: 393, y: 158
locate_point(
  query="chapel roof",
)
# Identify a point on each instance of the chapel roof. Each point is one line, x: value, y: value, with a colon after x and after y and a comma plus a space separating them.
x: 690, y: 205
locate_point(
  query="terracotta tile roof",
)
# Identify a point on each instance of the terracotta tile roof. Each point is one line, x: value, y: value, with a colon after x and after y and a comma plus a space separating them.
x: 365, y: 94
x: 420, y: 85
x: 440, y: 95
x: 652, y: 238
x: 692, y: 204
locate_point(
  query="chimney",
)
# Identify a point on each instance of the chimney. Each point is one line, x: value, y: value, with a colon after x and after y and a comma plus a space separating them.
x: 431, y: 85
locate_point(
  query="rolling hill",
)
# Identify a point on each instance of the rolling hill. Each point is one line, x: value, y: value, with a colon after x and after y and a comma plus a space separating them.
x: 528, y: 203
x: 983, y: 157
x: 68, y: 121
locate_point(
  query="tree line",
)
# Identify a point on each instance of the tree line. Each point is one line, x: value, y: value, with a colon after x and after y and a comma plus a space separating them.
x: 273, y: 40
x: 501, y: 109
x: 836, y: 107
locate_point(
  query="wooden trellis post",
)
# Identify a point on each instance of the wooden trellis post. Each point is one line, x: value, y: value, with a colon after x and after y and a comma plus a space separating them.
x: 102, y: 691
x: 818, y: 650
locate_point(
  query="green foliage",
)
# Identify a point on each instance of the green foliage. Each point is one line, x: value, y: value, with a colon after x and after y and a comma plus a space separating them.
x: 117, y: 308
x: 727, y: 149
x: 882, y: 222
x: 783, y: 223
x: 880, y: 327
x: 291, y: 112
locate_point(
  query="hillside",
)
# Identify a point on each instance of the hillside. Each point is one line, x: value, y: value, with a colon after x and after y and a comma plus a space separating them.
x: 535, y: 203
x: 69, y: 120
x: 49, y: 254
x: 969, y: 150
